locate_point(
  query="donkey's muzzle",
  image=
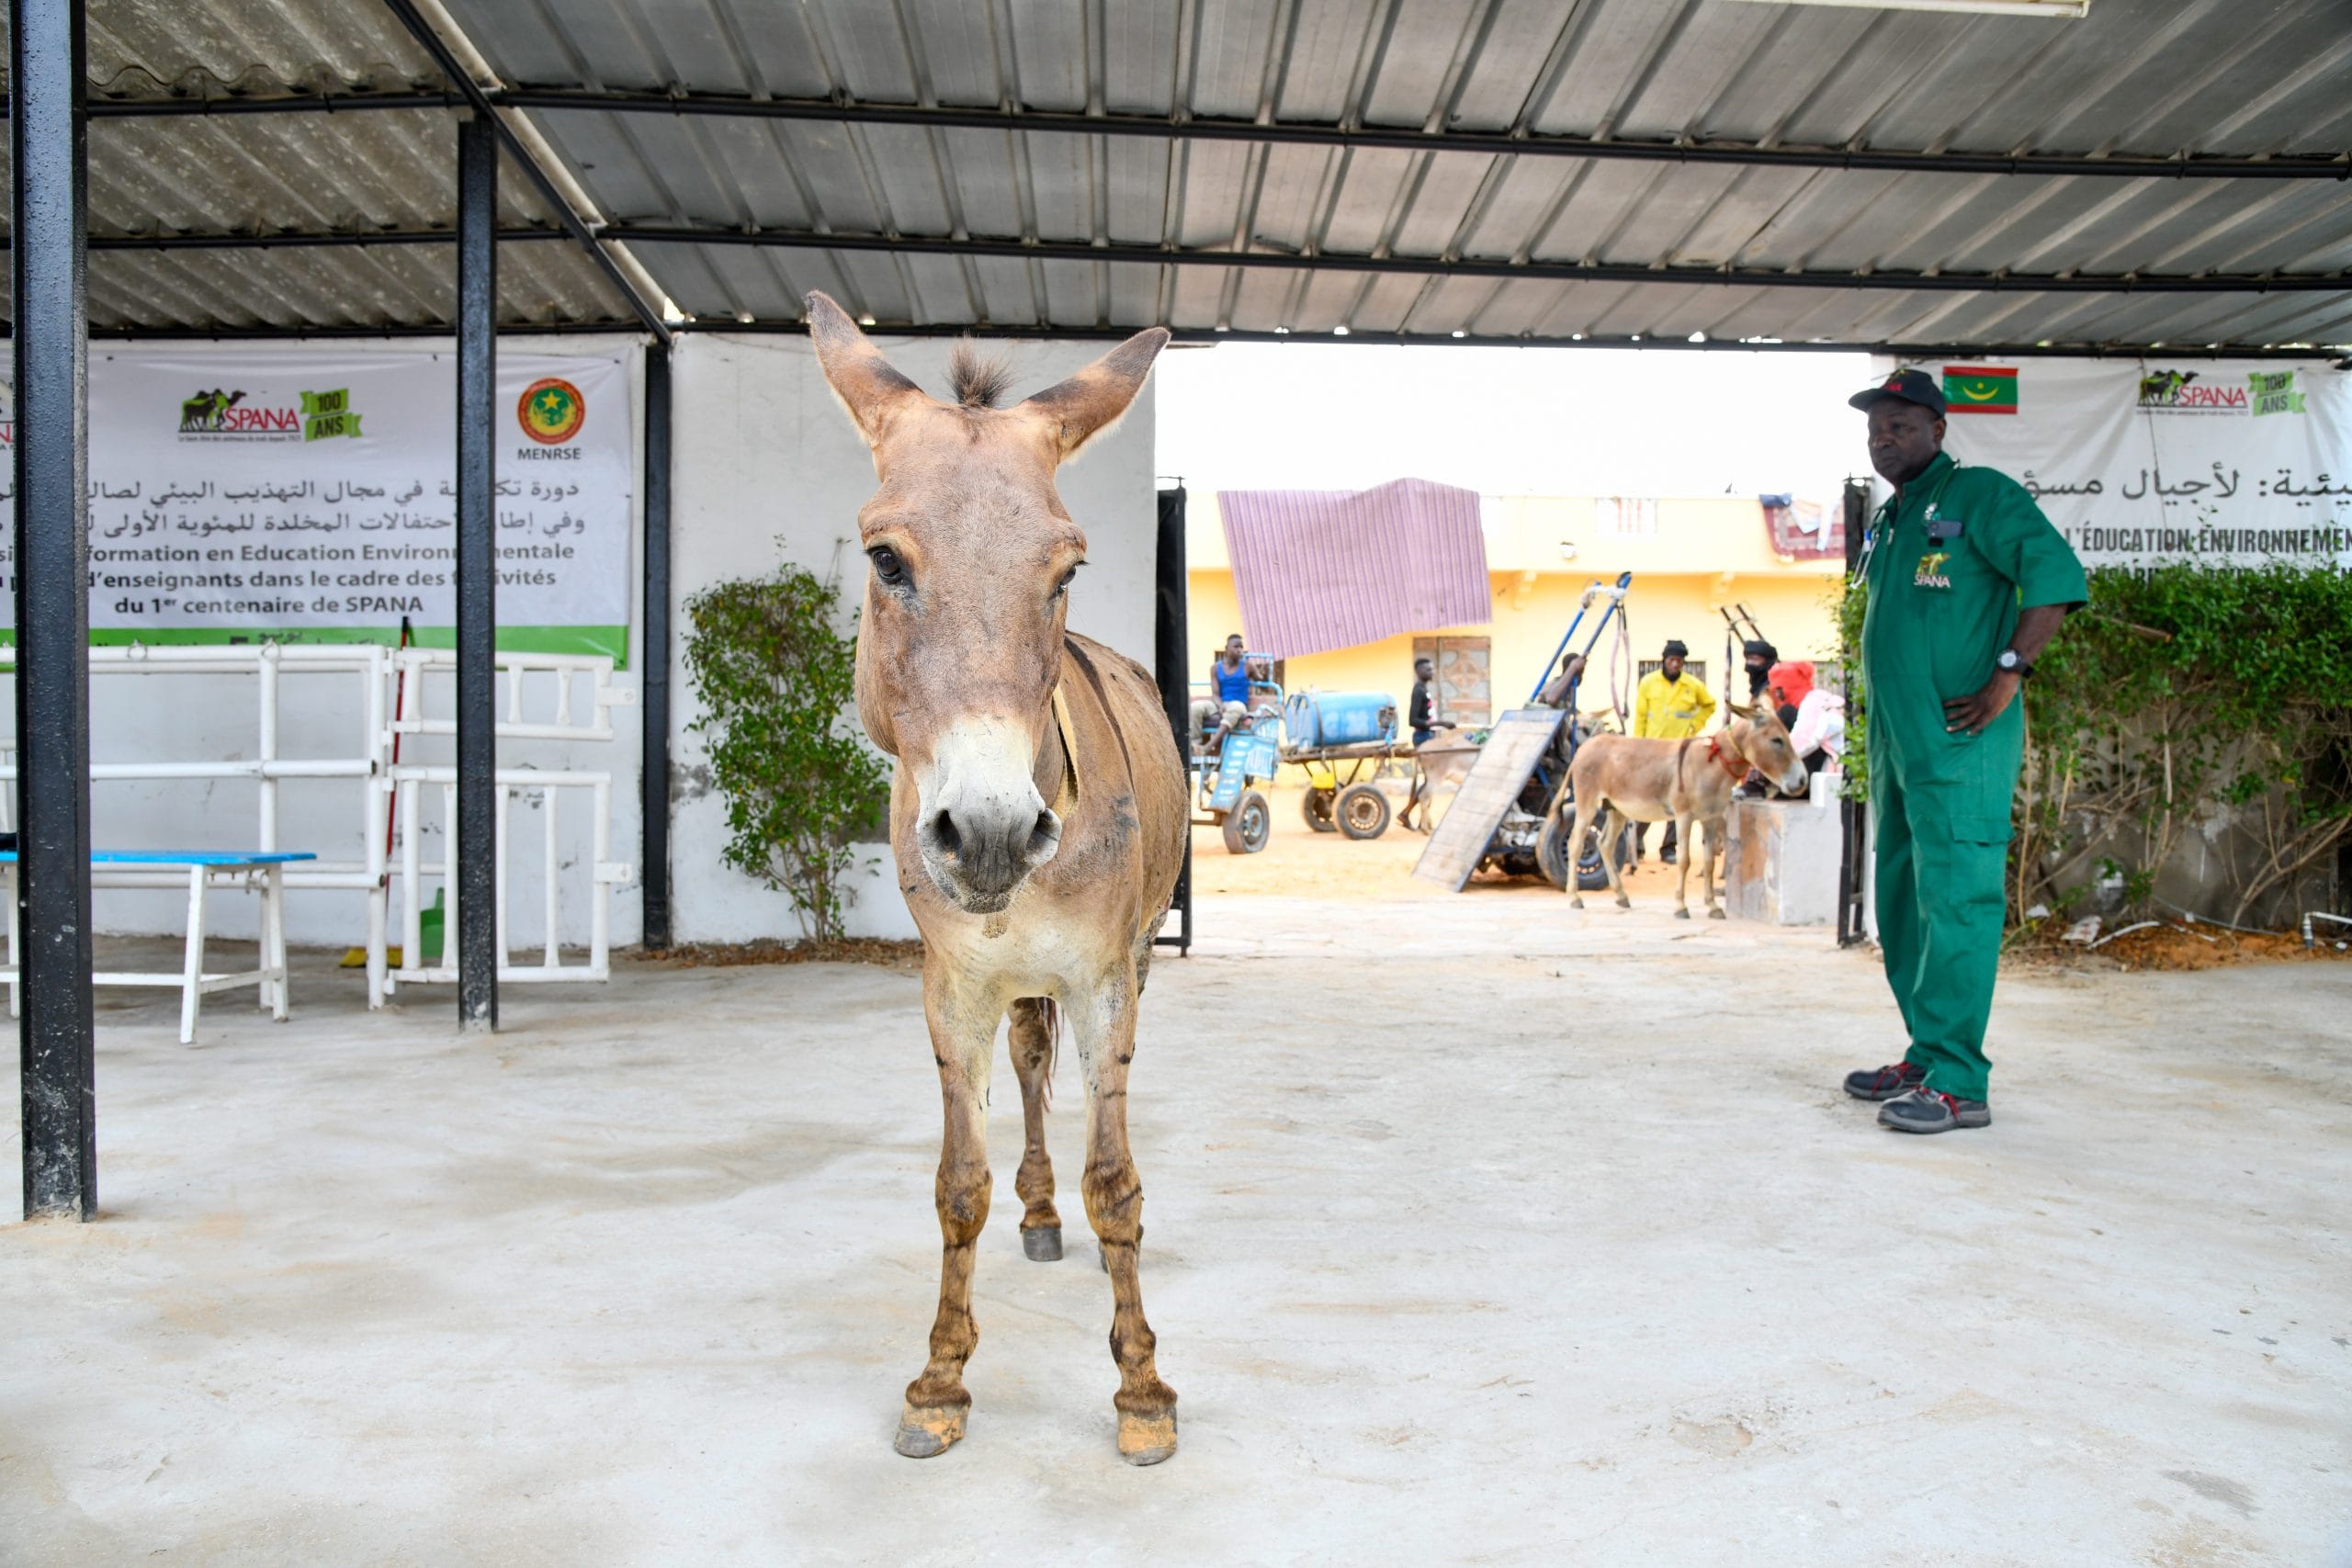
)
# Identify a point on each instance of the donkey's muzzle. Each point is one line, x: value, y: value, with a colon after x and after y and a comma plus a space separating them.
x: 980, y: 825
x: 978, y: 851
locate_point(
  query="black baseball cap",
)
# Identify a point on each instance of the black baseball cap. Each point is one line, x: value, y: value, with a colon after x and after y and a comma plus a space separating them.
x: 1909, y: 385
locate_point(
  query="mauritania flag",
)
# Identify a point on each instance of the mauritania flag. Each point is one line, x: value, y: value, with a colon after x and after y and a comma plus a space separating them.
x: 1981, y: 388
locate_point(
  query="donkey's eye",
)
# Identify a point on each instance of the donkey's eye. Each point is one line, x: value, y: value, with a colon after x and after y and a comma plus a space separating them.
x: 888, y: 566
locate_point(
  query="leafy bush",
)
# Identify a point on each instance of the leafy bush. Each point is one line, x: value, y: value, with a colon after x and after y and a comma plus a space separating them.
x: 801, y: 783
x: 2182, y: 693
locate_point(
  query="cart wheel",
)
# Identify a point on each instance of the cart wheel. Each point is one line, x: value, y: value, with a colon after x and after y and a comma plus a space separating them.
x: 1249, y: 824
x: 1551, y: 857
x: 1315, y: 807
x: 1362, y: 811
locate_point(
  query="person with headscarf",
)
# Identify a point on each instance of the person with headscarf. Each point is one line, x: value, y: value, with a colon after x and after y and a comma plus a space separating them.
x: 1670, y: 703
x: 1815, y: 719
x: 1759, y: 656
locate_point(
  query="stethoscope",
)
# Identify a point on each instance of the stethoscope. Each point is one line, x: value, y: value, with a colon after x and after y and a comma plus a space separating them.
x: 1871, y: 535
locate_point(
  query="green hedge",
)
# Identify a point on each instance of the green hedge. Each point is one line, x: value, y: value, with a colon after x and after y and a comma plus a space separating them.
x: 2181, y: 691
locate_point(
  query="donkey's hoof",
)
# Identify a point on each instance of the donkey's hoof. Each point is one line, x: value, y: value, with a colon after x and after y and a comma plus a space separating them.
x: 1623, y: 902
x: 1717, y: 914
x: 1681, y: 914
x: 926, y: 1432
x: 1575, y: 902
x: 1147, y: 1439
x: 1044, y: 1243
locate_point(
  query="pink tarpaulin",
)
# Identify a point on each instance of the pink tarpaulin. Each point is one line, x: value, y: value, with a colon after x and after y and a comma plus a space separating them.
x: 1323, y: 568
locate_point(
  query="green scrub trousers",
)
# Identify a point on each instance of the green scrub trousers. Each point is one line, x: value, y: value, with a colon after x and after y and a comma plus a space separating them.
x: 1952, y: 559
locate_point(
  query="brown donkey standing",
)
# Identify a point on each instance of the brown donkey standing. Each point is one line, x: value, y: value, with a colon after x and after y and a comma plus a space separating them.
x: 1038, y: 813
x: 1678, y: 781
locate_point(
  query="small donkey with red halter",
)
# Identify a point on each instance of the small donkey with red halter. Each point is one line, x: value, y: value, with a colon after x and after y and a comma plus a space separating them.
x: 1683, y: 781
x: 1038, y: 816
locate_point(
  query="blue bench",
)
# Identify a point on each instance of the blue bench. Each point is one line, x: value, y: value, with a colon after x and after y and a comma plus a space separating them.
x: 262, y: 870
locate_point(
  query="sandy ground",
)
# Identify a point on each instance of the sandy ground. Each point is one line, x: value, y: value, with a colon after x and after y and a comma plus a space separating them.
x: 1480, y: 1231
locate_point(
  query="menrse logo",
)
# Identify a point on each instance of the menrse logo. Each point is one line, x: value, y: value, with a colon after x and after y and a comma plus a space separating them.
x: 2186, y: 391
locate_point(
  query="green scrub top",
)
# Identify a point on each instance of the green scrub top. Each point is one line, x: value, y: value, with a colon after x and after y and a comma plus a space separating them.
x: 1949, y: 570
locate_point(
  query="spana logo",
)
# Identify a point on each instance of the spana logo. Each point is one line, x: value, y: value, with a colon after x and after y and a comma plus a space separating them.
x: 2186, y: 391
x: 221, y: 414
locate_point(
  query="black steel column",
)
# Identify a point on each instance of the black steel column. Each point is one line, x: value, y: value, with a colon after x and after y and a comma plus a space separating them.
x: 1853, y: 815
x: 1169, y: 656
x: 653, y: 678
x: 477, y: 874
x: 45, y: 138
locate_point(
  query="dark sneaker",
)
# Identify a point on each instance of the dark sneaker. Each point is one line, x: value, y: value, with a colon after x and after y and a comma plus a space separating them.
x: 1886, y: 1082
x: 1924, y: 1111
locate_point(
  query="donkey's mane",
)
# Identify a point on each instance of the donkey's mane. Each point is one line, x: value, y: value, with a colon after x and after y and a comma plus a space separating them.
x: 977, y: 382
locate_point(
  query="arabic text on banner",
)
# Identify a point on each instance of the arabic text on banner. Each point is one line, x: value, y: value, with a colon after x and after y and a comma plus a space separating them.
x: 311, y: 497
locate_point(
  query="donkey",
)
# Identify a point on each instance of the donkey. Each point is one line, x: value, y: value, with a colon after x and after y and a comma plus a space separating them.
x: 1444, y: 759
x: 1651, y: 781
x: 1038, y: 814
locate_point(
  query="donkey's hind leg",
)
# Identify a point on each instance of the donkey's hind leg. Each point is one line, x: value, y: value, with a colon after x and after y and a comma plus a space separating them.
x: 1613, y: 851
x: 1036, y: 1022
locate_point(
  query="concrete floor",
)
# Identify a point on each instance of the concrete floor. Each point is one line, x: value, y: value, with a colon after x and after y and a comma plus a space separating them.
x: 1479, y: 1231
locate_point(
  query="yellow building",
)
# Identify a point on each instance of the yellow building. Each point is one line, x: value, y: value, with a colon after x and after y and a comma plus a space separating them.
x: 1690, y: 557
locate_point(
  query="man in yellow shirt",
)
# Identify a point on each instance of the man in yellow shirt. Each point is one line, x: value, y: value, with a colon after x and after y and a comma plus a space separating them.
x: 1670, y: 703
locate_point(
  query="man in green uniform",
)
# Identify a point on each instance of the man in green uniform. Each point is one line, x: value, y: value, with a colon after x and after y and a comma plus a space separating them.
x: 1967, y: 582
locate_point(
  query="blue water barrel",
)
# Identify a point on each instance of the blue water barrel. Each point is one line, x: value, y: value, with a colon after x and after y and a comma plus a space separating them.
x: 1337, y: 719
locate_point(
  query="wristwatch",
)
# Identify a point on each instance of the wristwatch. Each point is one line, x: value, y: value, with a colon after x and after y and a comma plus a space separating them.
x: 2014, y: 662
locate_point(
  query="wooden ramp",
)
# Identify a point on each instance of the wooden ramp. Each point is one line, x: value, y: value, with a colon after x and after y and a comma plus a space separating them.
x: 1509, y: 755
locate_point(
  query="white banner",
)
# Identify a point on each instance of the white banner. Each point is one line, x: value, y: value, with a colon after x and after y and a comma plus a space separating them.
x: 311, y: 496
x: 2215, y: 461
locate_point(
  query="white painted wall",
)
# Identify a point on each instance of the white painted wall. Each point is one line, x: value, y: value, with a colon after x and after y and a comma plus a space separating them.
x: 766, y: 467
x: 769, y: 467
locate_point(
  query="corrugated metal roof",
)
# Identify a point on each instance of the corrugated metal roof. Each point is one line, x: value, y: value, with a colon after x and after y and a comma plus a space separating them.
x: 2164, y: 79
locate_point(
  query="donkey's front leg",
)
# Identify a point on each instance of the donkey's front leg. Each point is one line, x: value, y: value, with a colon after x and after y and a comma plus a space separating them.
x: 1032, y: 1039
x: 962, y: 1041
x: 1715, y: 843
x: 1683, y: 868
x: 1105, y: 1027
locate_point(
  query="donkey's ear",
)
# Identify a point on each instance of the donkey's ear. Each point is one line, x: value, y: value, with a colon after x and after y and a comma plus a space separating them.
x: 1091, y: 402
x: 863, y: 381
x: 1740, y: 710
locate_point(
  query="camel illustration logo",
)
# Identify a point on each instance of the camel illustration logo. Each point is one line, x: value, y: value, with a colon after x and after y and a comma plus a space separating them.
x: 204, y: 412
x: 1930, y: 573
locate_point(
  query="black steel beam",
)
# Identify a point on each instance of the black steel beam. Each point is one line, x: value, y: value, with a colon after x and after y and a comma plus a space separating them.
x: 1295, y: 133
x: 297, y: 103
x: 653, y: 673
x: 431, y: 42
x: 1279, y: 261
x: 291, y: 240
x: 1202, y: 337
x: 1496, y: 143
x: 1439, y: 266
x: 477, y: 572
x: 55, y: 1031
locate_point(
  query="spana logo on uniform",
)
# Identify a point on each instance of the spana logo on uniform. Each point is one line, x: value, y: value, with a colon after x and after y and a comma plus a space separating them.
x: 1930, y: 573
x: 2186, y: 391
x: 2274, y: 392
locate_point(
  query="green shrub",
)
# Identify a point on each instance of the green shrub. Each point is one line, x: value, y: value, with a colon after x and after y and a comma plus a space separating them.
x: 802, y: 785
